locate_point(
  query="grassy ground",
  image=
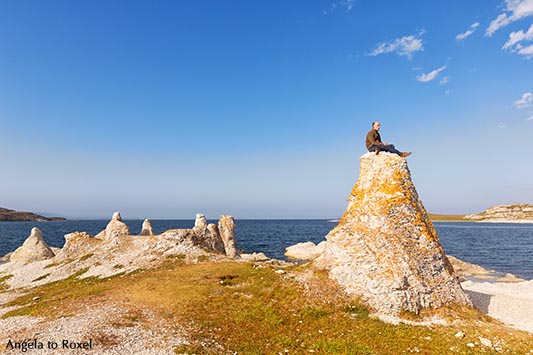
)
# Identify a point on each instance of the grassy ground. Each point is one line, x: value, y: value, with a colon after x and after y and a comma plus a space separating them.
x: 447, y: 217
x: 243, y: 308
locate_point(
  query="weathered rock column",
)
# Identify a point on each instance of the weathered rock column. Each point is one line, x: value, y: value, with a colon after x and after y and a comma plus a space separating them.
x: 226, y: 226
x: 114, y: 228
x: 146, y: 228
x: 385, y: 249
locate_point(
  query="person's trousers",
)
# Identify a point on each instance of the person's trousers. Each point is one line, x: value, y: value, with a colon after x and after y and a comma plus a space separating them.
x: 385, y: 148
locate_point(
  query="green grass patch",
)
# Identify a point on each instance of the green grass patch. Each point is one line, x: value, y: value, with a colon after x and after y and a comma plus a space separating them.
x: 203, y: 258
x: 86, y: 256
x: 256, y: 311
x: 40, y: 278
x: 3, y: 284
x: 51, y: 265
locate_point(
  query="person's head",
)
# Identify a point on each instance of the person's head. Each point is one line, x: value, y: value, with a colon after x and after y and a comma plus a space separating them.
x: 376, y: 125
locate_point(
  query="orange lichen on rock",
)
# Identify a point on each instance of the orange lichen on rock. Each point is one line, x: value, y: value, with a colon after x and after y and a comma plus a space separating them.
x: 385, y: 249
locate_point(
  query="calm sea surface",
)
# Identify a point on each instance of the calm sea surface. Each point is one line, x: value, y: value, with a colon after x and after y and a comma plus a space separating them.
x: 501, y: 247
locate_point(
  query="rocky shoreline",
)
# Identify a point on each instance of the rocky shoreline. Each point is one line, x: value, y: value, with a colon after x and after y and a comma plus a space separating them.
x: 7, y: 215
x: 514, y: 213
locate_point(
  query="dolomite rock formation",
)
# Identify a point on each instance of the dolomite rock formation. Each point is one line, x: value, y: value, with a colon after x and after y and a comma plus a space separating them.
x: 33, y: 249
x: 517, y: 213
x: 114, y: 228
x: 385, y: 249
x: 147, y: 228
x: 226, y: 226
x: 200, y: 222
x: 305, y: 251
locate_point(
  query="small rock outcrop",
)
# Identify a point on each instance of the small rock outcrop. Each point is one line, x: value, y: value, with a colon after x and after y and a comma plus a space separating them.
x: 385, y: 249
x: 146, y: 228
x: 226, y: 226
x: 200, y: 222
x: 305, y: 251
x: 114, y: 228
x: 33, y: 249
x: 517, y: 213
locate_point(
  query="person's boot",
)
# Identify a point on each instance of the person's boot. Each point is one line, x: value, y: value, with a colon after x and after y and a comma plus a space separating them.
x: 405, y: 154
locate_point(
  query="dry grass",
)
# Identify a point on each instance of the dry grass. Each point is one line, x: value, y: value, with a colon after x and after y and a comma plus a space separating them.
x: 3, y: 284
x: 238, y: 307
x: 434, y: 217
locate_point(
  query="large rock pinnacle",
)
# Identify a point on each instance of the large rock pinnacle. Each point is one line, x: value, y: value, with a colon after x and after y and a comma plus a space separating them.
x: 385, y: 249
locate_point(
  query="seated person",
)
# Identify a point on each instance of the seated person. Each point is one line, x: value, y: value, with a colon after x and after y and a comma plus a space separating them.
x: 374, y: 143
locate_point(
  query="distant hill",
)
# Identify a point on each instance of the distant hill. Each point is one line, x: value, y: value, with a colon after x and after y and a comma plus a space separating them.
x: 11, y: 215
x: 516, y: 213
x: 447, y: 217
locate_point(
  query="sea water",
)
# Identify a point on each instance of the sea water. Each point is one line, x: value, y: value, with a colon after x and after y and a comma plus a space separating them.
x: 503, y: 247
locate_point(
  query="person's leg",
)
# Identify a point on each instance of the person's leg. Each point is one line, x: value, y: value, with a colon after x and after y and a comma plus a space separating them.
x: 375, y: 149
x: 390, y: 148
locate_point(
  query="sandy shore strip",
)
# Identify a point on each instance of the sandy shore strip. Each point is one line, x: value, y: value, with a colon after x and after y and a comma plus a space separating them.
x: 511, y: 303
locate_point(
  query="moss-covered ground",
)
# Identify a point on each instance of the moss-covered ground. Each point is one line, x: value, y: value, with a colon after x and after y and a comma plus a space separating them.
x: 243, y: 308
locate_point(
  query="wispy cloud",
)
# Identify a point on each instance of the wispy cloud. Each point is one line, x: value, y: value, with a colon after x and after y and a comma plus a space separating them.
x: 514, y: 10
x: 404, y: 47
x: 424, y: 78
x: 444, y: 80
x: 525, y: 51
x: 518, y: 36
x: 467, y: 33
x: 529, y: 118
x: 525, y: 101
x: 502, y: 125
x: 344, y: 4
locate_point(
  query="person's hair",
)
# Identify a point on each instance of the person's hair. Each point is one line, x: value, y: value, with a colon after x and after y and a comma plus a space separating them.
x: 373, y: 123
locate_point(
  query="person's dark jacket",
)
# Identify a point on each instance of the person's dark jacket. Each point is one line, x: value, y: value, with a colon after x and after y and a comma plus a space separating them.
x: 373, y: 138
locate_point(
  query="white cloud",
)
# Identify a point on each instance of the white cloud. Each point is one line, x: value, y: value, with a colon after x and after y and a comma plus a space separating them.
x: 404, y: 47
x: 468, y: 32
x: 346, y: 4
x: 444, y: 80
x: 447, y: 92
x: 529, y: 118
x: 502, y: 125
x: 424, y: 78
x: 526, y: 51
x: 514, y: 10
x: 518, y: 36
x: 525, y: 101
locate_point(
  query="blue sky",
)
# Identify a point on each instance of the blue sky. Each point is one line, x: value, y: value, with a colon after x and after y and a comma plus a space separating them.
x: 259, y: 109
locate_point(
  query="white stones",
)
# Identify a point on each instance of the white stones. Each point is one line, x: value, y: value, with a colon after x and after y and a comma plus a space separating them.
x: 305, y: 251
x: 485, y: 342
x: 33, y: 249
x: 460, y: 335
x: 146, y: 228
x: 254, y: 257
x: 385, y: 249
x: 226, y: 226
x: 200, y: 222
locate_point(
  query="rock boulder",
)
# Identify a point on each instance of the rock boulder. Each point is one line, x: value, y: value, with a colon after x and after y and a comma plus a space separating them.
x: 226, y: 226
x: 147, y: 228
x: 385, y: 249
x: 33, y: 249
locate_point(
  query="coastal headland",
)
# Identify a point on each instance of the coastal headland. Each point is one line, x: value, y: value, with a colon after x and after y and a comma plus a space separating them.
x: 12, y: 216
x: 188, y: 291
